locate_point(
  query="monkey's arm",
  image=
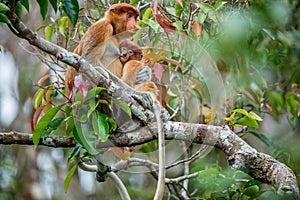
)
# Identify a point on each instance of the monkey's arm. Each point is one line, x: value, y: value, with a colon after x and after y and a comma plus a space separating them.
x: 130, y: 72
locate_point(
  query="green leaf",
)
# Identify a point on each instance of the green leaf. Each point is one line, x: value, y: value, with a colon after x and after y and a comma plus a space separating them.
x: 201, y: 17
x: 75, y: 152
x: 251, y: 191
x: 100, y: 125
x: 178, y: 24
x: 219, y: 4
x: 19, y: 9
x: 152, y: 23
x: 206, y: 7
x: 230, y: 118
x: 174, y: 102
x: 93, y: 107
x: 242, y: 111
x: 208, y: 172
x: 112, y: 125
x: 76, y: 134
x: 82, y: 112
x: 48, y: 32
x: 4, y: 19
x: 3, y: 8
x: 25, y: 3
x: 54, y: 124
x: 71, y: 8
x: 247, y: 122
x: 210, y: 10
x: 54, y: 4
x: 212, y: 180
x: 253, y: 115
x: 276, y: 102
x: 43, y: 123
x: 78, y: 97
x: 95, y: 14
x: 252, y: 182
x: 39, y: 28
x: 195, y: 92
x: 63, y: 24
x: 292, y: 103
x: 178, y: 9
x: 262, y: 138
x: 134, y: 2
x: 43, y: 7
x: 123, y: 106
x: 69, y: 176
x: 292, y: 121
x: 69, y: 126
x: 94, y: 92
x: 171, y: 93
x: 82, y: 134
x: 147, y: 14
x: 269, y: 33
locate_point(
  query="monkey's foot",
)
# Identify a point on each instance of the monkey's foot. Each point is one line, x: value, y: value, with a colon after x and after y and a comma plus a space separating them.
x: 143, y: 98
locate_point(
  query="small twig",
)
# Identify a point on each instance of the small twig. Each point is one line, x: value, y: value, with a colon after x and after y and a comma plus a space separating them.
x: 13, y: 30
x: 186, y: 170
x: 177, y: 191
x: 174, y: 111
x: 182, y: 178
x: 86, y: 167
x: 190, y: 159
x: 120, y: 186
x: 166, y: 14
x: 124, y: 164
x: 189, y: 18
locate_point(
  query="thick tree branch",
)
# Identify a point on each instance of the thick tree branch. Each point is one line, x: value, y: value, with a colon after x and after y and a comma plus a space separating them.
x: 15, y: 137
x: 240, y: 155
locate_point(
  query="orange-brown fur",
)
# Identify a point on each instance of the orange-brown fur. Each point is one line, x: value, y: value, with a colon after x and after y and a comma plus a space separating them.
x: 130, y: 51
x: 131, y: 56
x: 98, y: 46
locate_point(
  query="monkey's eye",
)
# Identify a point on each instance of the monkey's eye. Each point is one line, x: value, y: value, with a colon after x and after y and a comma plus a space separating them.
x: 129, y: 15
x: 123, y: 49
x: 130, y: 52
x: 141, y: 56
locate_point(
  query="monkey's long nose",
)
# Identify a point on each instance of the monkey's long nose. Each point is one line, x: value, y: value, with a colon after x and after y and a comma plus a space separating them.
x: 137, y: 27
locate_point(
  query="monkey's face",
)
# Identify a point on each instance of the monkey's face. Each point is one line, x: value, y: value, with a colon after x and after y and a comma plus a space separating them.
x: 124, y: 17
x: 127, y: 54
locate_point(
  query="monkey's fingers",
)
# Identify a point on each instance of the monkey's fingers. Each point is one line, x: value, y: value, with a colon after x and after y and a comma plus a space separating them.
x: 143, y: 98
x: 145, y: 74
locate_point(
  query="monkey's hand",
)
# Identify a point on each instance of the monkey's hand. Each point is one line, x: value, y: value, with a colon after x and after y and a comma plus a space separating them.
x: 145, y: 74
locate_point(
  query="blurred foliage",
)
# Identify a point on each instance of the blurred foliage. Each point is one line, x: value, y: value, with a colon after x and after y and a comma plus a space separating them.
x: 9, y: 184
x: 255, y: 45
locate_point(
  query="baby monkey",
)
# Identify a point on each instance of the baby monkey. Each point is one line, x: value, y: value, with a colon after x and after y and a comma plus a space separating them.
x: 135, y: 73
